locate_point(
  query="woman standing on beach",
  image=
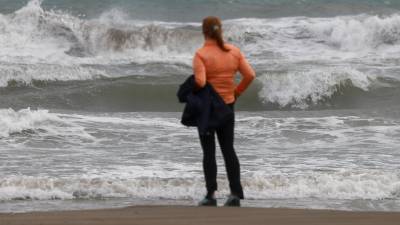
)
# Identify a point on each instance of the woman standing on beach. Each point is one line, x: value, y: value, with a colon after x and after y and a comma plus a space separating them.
x: 217, y: 63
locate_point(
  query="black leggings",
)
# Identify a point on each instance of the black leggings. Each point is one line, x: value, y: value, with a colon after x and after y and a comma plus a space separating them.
x: 225, y: 135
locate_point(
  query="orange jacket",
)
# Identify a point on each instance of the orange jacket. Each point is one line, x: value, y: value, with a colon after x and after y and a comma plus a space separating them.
x: 217, y: 67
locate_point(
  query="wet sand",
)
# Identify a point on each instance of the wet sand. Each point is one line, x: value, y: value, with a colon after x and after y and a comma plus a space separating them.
x: 176, y: 215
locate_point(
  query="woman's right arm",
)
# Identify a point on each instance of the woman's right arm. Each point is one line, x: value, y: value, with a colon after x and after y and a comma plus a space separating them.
x: 199, y: 71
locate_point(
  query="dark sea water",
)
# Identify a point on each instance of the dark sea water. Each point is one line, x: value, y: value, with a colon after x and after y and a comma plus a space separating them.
x: 89, y: 117
x: 195, y: 10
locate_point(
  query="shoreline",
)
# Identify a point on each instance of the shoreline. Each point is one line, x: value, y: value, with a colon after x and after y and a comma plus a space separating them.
x: 180, y: 215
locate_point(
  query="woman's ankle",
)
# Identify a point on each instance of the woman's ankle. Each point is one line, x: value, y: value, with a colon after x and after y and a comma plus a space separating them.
x: 210, y: 195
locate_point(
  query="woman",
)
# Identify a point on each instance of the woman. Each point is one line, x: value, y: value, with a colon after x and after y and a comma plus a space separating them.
x: 217, y: 64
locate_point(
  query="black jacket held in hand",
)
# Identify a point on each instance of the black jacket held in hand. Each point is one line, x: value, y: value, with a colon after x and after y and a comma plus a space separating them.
x: 204, y: 108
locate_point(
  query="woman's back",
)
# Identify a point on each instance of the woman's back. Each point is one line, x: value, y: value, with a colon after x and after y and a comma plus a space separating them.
x: 218, y: 67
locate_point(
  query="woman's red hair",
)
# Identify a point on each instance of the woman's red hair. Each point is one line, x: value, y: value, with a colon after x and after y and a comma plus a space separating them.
x: 212, y: 28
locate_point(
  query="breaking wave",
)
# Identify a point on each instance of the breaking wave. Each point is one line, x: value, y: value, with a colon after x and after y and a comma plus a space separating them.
x: 304, y: 88
x: 347, y: 185
x: 300, y: 61
x: 42, y: 122
x: 12, y: 122
x: 272, y: 91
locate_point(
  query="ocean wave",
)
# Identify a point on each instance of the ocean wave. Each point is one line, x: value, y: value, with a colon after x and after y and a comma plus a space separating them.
x: 39, y: 122
x: 305, y: 88
x: 26, y: 123
x: 345, y: 185
x: 300, y: 62
x: 24, y: 120
x: 32, y: 188
x: 35, y: 35
x: 39, y: 44
x: 26, y: 74
x: 323, y: 89
x: 357, y: 33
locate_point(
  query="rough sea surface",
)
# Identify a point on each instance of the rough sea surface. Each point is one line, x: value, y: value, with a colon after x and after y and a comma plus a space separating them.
x: 89, y: 116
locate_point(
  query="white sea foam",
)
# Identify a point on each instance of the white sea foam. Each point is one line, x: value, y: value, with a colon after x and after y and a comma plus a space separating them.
x: 138, y: 120
x: 344, y: 184
x: 42, y: 121
x: 44, y: 72
x: 145, y: 156
x: 300, y: 88
x: 59, y: 124
x: 299, y: 60
x: 358, y: 33
x: 26, y: 119
x: 300, y: 39
x: 324, y: 130
x: 33, y: 35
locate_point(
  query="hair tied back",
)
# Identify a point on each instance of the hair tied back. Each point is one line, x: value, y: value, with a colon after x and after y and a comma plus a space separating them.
x: 212, y: 28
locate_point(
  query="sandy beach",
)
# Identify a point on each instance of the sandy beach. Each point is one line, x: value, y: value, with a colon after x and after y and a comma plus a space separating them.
x: 176, y: 215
